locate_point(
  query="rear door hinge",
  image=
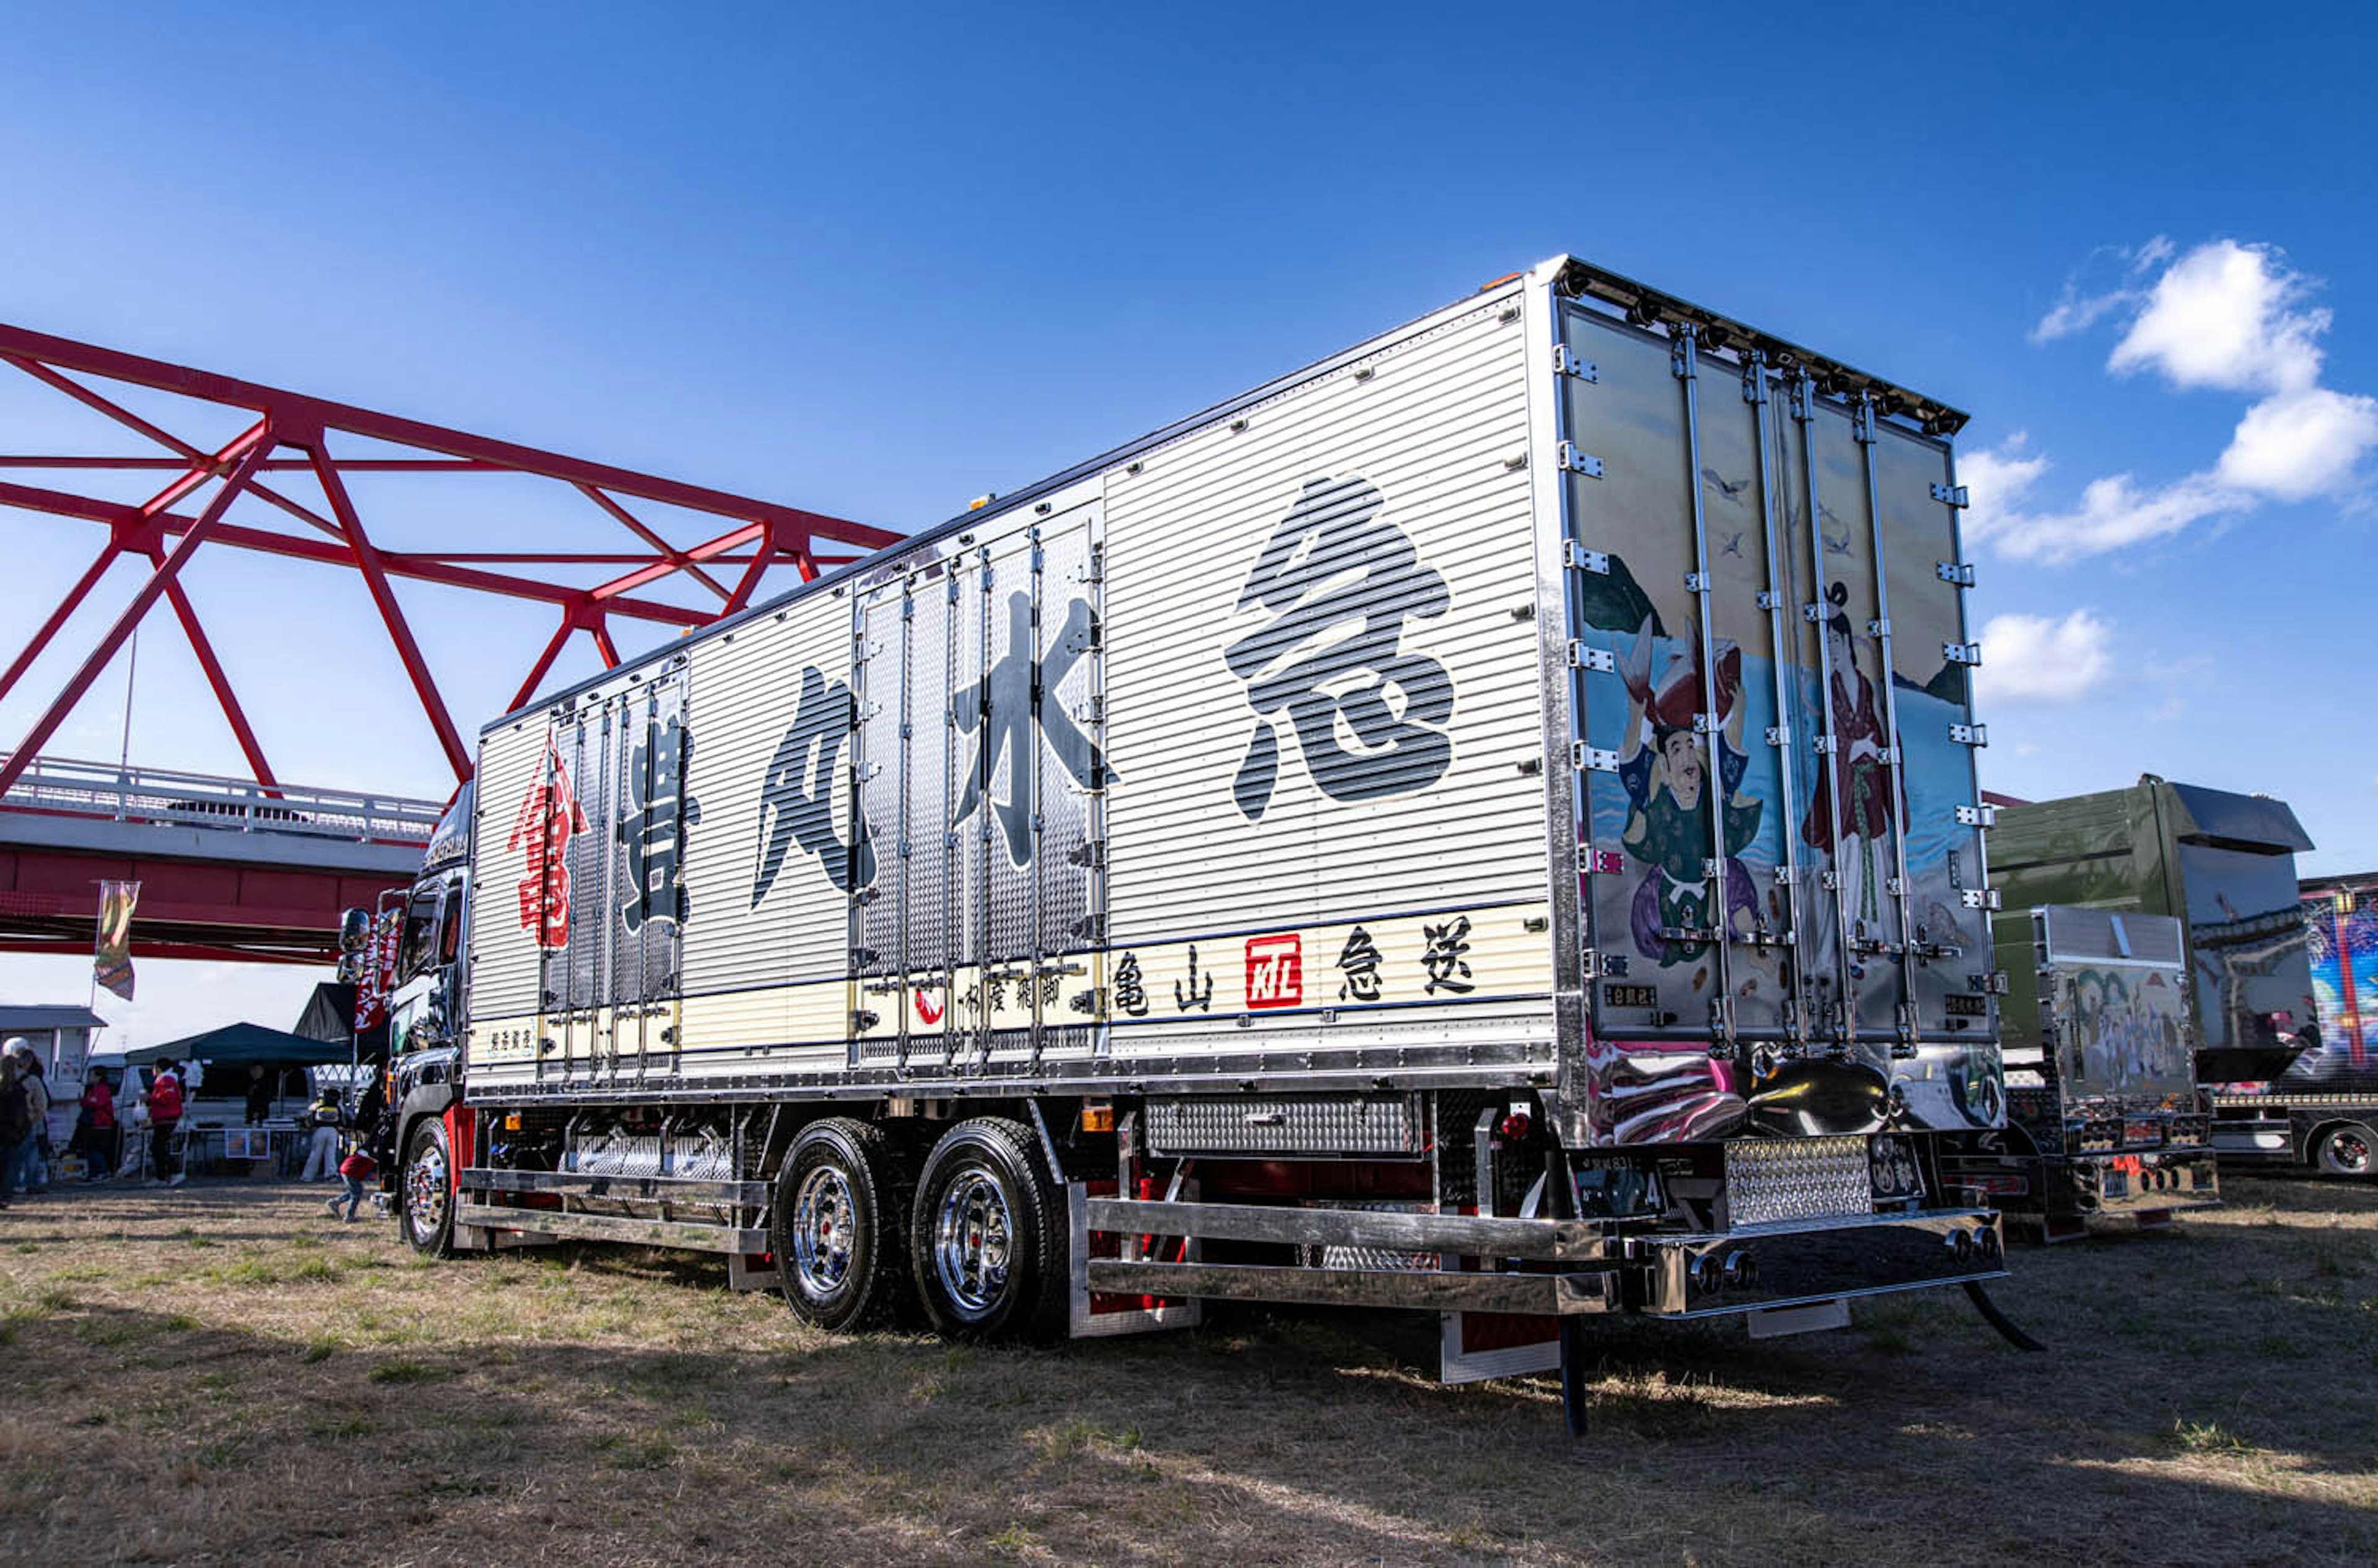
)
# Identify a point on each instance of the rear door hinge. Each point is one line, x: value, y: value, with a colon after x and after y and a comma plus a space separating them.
x: 1581, y: 657
x: 1574, y: 458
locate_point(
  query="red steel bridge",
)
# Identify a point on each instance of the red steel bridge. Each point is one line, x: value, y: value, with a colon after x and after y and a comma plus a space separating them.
x: 258, y: 868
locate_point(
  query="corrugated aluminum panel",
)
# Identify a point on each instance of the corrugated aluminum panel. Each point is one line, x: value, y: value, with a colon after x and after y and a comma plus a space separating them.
x: 513, y: 811
x: 1321, y: 695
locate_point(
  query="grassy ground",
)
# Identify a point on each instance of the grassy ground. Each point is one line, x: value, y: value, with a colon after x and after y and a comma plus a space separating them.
x: 222, y: 1375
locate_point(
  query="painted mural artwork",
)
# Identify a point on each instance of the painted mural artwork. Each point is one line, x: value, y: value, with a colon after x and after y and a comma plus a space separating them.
x: 1773, y: 696
x: 1006, y: 710
x: 653, y: 828
x: 2343, y: 927
x: 549, y: 817
x: 797, y: 794
x: 1665, y: 772
x: 1338, y: 579
x: 2128, y: 1031
x: 1850, y: 818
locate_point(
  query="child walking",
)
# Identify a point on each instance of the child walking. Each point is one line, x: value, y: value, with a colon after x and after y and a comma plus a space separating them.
x: 356, y: 1169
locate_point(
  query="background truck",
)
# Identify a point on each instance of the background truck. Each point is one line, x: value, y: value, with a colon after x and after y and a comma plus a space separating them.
x: 2325, y: 1103
x: 2105, y: 1119
x: 2221, y: 864
x: 1485, y: 823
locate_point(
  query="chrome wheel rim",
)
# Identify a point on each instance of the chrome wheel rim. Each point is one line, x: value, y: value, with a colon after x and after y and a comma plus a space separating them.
x: 425, y: 1190
x: 972, y: 1236
x: 823, y: 1225
x: 2347, y: 1154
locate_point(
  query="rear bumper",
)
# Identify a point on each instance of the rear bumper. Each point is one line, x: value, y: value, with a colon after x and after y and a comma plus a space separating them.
x: 2115, y: 1185
x: 1547, y: 1267
x: 1754, y: 1268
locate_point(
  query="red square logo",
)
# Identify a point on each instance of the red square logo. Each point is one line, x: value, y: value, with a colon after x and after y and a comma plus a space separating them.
x: 1275, y: 972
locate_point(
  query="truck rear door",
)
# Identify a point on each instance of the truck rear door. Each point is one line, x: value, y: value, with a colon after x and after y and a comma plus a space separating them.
x: 1780, y: 824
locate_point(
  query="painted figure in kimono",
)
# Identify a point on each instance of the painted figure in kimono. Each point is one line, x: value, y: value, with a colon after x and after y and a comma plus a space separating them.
x: 1665, y: 772
x: 1855, y: 827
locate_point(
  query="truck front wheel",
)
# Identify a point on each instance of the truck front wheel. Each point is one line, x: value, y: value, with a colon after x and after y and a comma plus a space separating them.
x: 835, y: 1227
x: 988, y: 1241
x: 425, y: 1190
x: 2345, y: 1149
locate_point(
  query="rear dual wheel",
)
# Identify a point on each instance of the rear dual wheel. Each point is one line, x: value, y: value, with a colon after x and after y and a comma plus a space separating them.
x: 842, y: 1203
x: 988, y: 1240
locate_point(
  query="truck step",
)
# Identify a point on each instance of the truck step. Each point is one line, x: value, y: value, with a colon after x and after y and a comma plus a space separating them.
x: 626, y: 1188
x: 613, y: 1228
x: 1550, y: 1295
x: 1542, y: 1240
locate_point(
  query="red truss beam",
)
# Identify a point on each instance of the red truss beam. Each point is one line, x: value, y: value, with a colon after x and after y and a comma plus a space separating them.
x: 293, y: 433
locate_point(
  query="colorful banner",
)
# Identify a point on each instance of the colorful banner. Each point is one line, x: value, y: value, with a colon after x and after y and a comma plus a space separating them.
x: 377, y: 972
x: 112, y: 955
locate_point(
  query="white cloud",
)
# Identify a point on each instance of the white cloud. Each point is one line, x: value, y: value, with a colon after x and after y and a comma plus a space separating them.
x: 2038, y: 659
x: 2224, y: 316
x: 2298, y: 445
x: 2221, y: 316
x: 2076, y: 312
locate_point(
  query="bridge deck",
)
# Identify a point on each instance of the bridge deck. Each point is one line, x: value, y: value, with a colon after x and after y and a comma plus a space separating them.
x: 227, y: 868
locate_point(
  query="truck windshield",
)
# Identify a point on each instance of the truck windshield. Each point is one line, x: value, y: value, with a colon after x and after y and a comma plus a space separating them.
x: 416, y: 949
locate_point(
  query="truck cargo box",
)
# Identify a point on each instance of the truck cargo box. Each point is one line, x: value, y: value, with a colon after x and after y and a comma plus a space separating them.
x: 1534, y: 695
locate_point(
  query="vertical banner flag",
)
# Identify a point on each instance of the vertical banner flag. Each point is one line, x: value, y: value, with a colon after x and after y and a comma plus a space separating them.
x: 112, y: 956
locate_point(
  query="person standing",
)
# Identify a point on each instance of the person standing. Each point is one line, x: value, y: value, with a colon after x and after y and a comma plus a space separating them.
x: 164, y: 1115
x: 99, y: 1139
x: 16, y: 1122
x: 324, y: 1118
x: 259, y: 1096
x: 29, y: 1171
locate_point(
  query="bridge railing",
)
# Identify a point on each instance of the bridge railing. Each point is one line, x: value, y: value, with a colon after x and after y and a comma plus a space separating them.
x: 65, y: 786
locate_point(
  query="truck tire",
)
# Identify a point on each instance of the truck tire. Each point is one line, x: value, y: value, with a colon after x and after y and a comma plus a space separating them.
x: 988, y: 1239
x: 424, y: 1191
x: 2345, y: 1148
x: 840, y: 1213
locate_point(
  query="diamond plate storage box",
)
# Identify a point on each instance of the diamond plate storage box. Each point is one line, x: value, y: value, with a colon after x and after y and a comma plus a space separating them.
x: 1330, y: 1127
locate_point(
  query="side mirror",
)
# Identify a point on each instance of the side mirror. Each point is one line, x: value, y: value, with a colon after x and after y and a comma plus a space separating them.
x: 354, y: 930
x: 350, y: 968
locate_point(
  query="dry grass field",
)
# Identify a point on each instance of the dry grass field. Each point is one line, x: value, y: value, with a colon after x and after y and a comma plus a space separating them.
x: 222, y: 1374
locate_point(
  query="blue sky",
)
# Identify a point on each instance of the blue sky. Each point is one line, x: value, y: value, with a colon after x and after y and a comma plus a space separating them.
x: 878, y: 260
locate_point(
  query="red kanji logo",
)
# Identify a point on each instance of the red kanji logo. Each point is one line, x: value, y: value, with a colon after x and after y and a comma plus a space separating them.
x: 927, y: 1008
x: 549, y: 817
x: 1276, y: 971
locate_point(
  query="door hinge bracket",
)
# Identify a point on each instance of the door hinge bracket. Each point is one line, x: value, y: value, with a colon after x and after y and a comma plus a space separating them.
x: 1574, y: 458
x: 1581, y: 657
x: 1567, y: 363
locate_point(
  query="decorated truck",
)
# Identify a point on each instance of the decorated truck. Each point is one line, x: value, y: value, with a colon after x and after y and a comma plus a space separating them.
x: 2103, y: 1118
x: 2323, y: 1111
x: 2222, y: 865
x: 1485, y: 823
